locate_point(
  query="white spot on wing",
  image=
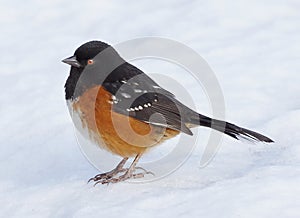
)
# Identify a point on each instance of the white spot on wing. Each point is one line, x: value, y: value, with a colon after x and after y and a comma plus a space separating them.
x: 114, y: 100
x: 137, y: 90
x: 125, y: 95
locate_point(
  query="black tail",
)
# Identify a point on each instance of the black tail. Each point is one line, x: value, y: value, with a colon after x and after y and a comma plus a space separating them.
x: 231, y: 129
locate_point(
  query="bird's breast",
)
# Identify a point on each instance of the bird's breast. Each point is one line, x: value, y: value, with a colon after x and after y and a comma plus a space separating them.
x: 94, y: 117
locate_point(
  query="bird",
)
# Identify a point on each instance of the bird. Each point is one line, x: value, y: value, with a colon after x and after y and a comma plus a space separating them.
x: 124, y: 111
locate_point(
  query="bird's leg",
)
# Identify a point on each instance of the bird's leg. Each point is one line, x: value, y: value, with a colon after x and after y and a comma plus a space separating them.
x: 112, y: 173
x: 129, y: 173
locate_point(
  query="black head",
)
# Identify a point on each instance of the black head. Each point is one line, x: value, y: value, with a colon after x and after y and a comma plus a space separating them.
x: 85, y: 53
x: 90, y: 65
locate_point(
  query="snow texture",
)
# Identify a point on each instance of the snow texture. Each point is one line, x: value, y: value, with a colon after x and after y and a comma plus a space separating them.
x: 254, y: 49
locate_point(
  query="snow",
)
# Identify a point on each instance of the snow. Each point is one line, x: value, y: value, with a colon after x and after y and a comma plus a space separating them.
x: 253, y: 48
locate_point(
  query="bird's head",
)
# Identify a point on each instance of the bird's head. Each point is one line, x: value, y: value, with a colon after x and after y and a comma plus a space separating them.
x: 85, y: 54
x: 90, y: 65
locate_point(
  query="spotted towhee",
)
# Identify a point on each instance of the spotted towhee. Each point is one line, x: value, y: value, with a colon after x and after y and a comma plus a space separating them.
x: 125, y: 112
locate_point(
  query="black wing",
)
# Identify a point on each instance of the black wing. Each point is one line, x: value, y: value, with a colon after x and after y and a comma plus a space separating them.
x: 137, y: 95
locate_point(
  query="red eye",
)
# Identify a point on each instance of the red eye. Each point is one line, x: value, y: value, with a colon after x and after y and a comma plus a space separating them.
x: 90, y: 61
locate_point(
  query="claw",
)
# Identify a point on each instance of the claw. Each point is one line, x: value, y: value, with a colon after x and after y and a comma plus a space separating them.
x: 145, y: 171
x: 110, y: 177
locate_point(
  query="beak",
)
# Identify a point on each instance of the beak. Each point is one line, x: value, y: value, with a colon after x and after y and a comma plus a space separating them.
x: 72, y: 61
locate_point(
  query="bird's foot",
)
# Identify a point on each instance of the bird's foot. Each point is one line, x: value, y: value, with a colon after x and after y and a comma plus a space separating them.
x: 108, y: 178
x: 119, y: 169
x: 107, y: 175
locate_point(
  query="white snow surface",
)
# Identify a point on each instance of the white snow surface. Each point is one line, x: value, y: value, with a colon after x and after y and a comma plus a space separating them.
x: 254, y: 49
